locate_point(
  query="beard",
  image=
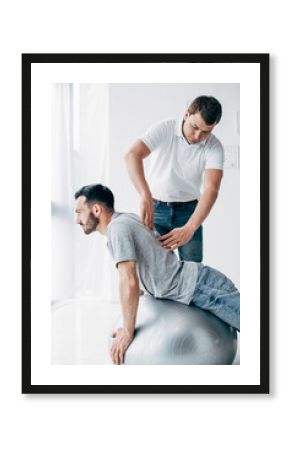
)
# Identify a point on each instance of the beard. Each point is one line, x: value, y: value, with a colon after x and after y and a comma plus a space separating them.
x: 91, y: 224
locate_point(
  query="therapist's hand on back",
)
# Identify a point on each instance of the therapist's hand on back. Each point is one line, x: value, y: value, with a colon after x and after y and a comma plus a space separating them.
x: 176, y: 237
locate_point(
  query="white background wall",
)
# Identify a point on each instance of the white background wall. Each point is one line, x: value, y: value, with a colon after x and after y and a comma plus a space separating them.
x: 133, y: 108
x: 88, y: 422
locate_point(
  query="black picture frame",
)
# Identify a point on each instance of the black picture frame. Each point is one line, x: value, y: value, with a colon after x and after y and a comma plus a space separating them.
x: 263, y: 61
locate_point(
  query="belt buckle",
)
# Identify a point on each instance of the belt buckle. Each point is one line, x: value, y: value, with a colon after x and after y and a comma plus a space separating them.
x: 174, y: 204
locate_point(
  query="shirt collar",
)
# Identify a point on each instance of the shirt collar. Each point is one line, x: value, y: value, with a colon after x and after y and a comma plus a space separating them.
x: 178, y: 127
x: 179, y: 133
x: 115, y: 215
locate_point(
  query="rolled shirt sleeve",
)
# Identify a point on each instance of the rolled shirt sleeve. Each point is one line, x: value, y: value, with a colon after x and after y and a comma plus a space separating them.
x: 215, y: 157
x: 121, y: 244
x: 155, y: 135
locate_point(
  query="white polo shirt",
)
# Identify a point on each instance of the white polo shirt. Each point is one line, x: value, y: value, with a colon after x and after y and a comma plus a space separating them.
x: 176, y: 167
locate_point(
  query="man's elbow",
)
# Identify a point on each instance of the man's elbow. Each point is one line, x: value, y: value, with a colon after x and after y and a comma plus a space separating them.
x: 137, y: 152
x: 128, y: 154
x: 130, y: 158
x: 133, y: 283
x: 133, y: 152
x: 212, y: 191
x: 130, y: 282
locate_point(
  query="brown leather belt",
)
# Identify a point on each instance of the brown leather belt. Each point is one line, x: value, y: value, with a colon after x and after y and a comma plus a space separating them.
x: 172, y: 204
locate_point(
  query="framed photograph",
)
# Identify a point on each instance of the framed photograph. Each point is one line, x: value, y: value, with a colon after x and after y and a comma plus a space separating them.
x: 145, y: 231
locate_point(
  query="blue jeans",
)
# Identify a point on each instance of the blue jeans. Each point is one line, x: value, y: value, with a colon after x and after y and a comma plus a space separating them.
x: 168, y: 217
x: 216, y: 293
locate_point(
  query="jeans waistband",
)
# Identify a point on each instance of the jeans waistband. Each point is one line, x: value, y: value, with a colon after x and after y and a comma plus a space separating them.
x: 173, y: 204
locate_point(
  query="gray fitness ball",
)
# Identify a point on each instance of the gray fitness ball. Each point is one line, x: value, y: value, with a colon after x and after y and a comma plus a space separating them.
x: 169, y: 332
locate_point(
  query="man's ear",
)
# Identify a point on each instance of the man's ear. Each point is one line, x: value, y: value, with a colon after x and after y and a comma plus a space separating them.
x: 96, y: 210
x: 186, y: 114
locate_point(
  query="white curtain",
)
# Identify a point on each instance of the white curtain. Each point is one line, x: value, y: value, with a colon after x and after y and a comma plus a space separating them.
x: 81, y: 267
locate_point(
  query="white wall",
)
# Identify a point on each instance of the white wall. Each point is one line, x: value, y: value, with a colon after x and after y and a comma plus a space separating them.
x: 133, y: 108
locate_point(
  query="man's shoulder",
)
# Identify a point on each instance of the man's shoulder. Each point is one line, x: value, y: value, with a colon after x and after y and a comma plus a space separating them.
x: 213, y: 141
x: 123, y: 221
x: 168, y: 124
x: 170, y: 121
x: 171, y: 124
x: 159, y: 134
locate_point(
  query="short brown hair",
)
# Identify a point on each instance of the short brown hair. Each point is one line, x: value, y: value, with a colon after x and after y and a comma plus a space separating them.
x: 209, y: 108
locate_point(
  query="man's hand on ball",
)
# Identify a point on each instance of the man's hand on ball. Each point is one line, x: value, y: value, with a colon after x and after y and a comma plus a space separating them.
x: 122, y: 340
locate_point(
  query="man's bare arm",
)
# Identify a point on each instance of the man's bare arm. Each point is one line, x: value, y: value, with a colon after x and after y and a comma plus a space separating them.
x: 180, y: 236
x: 129, y: 296
x: 134, y: 162
x: 211, y: 186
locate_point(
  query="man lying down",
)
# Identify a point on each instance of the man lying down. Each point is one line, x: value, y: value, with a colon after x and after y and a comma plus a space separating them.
x: 139, y: 256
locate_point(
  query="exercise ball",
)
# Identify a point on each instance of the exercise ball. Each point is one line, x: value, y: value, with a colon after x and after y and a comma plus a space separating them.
x: 169, y: 332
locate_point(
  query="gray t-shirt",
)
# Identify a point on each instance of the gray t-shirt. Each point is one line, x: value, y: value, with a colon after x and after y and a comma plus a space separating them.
x: 161, y: 273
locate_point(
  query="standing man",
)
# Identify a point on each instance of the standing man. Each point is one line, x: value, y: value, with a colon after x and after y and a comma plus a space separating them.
x: 184, y: 156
